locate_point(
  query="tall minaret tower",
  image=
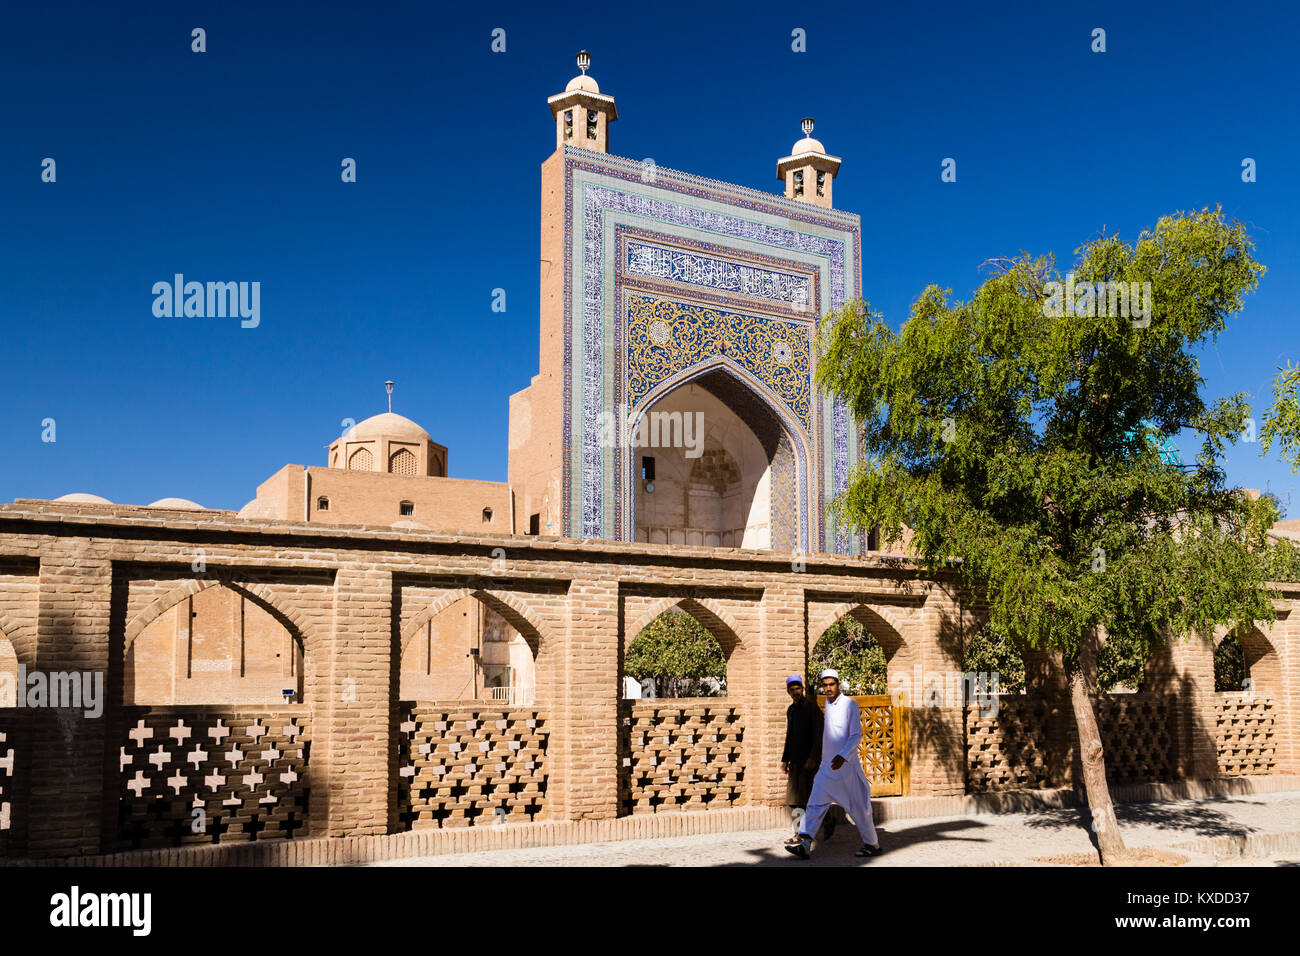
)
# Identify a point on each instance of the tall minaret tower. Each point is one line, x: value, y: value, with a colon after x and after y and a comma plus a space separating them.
x: 807, y: 172
x: 582, y: 113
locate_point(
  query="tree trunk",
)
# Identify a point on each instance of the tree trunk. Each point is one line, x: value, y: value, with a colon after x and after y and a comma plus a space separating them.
x: 1082, y: 672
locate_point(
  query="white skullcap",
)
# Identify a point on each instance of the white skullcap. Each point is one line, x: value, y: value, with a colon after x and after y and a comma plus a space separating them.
x: 829, y: 672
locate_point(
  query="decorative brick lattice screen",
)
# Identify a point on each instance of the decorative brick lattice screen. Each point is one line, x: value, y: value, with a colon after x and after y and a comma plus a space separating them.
x: 1013, y: 749
x: 244, y: 770
x: 10, y: 734
x: 1137, y: 734
x: 679, y: 755
x: 1243, y: 731
x: 466, y: 765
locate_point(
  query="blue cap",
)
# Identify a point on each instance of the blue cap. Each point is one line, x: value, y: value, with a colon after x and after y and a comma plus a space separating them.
x: 794, y: 679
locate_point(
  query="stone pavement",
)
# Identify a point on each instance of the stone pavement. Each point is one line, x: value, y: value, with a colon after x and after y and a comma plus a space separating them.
x: 939, y: 841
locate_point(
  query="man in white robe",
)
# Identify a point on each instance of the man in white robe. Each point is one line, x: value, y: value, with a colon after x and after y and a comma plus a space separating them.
x: 840, y: 779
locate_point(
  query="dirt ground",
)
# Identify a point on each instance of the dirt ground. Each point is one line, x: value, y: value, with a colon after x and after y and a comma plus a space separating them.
x: 1057, y: 837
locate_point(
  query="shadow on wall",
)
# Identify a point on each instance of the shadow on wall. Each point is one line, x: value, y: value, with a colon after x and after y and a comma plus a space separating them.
x: 938, y: 734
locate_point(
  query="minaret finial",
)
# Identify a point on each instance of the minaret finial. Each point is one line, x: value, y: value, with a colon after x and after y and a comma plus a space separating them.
x: 388, y: 387
x: 807, y: 125
x: 584, y: 61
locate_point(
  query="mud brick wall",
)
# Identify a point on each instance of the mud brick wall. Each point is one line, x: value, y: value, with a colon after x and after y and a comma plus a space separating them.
x: 1245, y: 734
x: 245, y: 770
x: 6, y: 787
x: 1029, y: 743
x: 1137, y: 732
x: 462, y: 765
x: 79, y: 583
x: 680, y: 755
x: 1016, y: 748
x: 14, y: 740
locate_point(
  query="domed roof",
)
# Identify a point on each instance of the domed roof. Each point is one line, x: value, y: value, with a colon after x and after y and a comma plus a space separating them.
x: 178, y: 504
x: 807, y: 145
x: 257, y: 508
x: 583, y: 82
x: 82, y: 498
x: 388, y: 425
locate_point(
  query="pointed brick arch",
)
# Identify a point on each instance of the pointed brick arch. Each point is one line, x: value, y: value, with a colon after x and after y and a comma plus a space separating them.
x: 515, y: 612
x: 9, y: 685
x: 21, y: 637
x: 768, y: 418
x: 716, y: 619
x: 881, y: 623
x: 258, y: 593
x: 1262, y: 661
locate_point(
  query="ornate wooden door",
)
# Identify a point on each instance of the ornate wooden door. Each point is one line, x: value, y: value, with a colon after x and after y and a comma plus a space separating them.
x: 885, y: 747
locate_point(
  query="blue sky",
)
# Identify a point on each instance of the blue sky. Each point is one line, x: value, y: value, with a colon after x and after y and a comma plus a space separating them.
x: 225, y: 166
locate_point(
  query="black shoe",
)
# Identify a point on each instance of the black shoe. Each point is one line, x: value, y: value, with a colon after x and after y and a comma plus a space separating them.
x: 799, y: 849
x: 869, y: 849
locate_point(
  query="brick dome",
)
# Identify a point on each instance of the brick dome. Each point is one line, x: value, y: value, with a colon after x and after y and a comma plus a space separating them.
x: 388, y: 425
x: 80, y: 497
x: 388, y: 443
x: 178, y: 504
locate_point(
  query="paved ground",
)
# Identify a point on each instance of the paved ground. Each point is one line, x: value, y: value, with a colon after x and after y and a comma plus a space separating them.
x: 936, y: 841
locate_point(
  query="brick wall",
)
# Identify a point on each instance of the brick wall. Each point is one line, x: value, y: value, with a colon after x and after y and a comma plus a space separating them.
x: 1029, y: 742
x: 1245, y: 734
x: 1014, y: 748
x: 684, y: 754
x: 1137, y: 732
x: 216, y: 645
x: 13, y: 766
x: 469, y: 765
x: 79, y: 584
x: 194, y: 775
x: 442, y: 504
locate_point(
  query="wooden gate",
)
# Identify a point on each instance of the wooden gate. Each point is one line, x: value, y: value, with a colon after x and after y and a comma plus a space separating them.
x: 885, y: 746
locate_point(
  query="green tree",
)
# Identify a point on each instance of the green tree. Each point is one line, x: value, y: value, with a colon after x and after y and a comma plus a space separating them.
x: 1229, y: 665
x: 1122, y: 660
x: 677, y: 651
x: 1010, y: 435
x: 1282, y: 419
x: 1119, y: 661
x: 1285, y: 562
x: 848, y: 648
x: 988, y: 652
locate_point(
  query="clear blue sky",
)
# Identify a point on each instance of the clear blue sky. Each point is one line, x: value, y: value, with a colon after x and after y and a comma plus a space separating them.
x: 225, y: 166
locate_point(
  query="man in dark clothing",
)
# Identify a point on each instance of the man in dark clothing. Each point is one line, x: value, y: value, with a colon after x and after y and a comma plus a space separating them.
x: 803, y: 745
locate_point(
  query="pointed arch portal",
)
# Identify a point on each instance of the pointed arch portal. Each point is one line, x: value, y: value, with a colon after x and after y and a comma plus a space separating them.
x: 726, y: 466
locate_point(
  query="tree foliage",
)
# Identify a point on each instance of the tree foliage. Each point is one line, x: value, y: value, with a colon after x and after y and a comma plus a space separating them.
x: 677, y: 651
x: 848, y: 648
x: 988, y: 652
x: 1015, y: 441
x: 1284, y: 562
x: 1282, y: 418
x: 1053, y: 506
x: 1121, y: 662
x: 1229, y: 665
